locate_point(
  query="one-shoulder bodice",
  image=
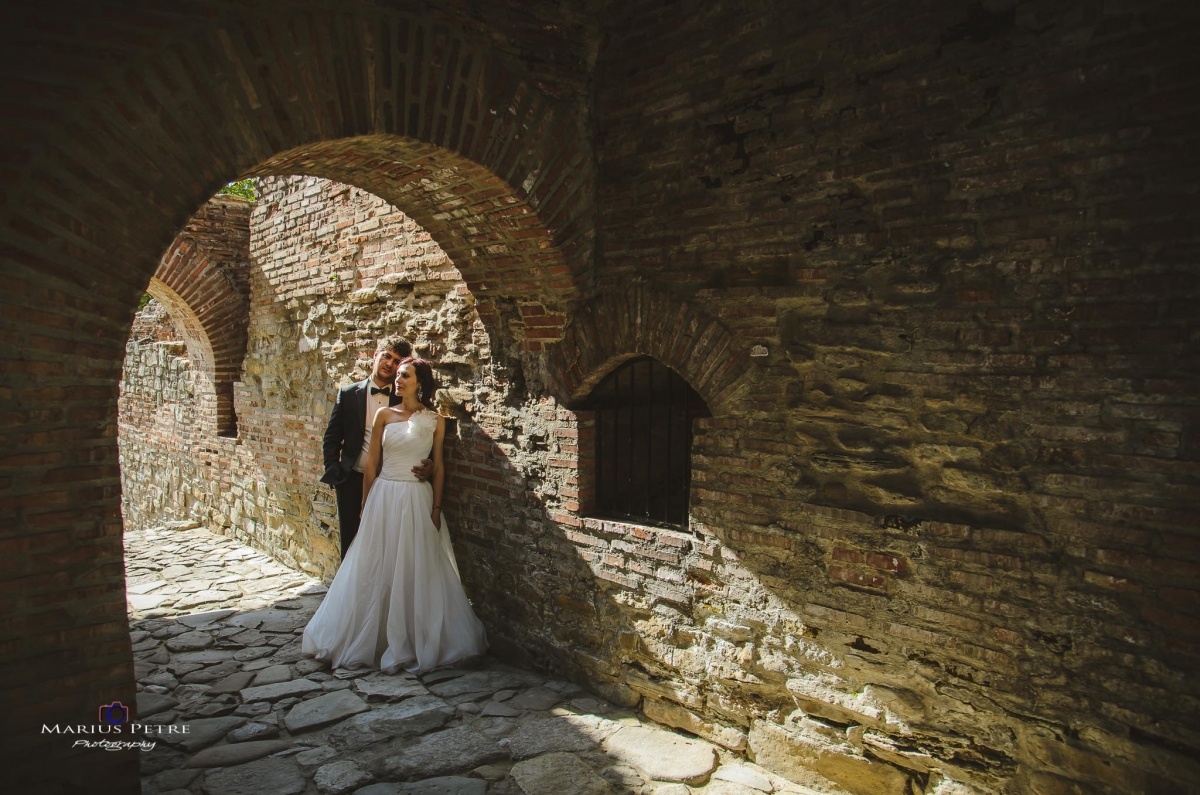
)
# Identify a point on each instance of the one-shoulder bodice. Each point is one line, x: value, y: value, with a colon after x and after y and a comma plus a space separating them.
x: 406, y: 444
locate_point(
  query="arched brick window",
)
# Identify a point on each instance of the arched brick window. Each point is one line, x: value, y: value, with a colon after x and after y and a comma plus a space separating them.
x: 643, y: 413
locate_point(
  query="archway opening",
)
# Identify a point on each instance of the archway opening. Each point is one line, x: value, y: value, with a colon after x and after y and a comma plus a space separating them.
x: 329, y: 270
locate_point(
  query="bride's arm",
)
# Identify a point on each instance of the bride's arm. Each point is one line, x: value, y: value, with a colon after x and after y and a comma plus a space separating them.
x: 374, y: 453
x: 439, y: 473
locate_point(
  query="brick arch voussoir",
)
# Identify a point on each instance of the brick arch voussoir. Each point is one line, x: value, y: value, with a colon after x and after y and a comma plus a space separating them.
x: 618, y: 326
x: 521, y: 205
x: 495, y: 237
x: 199, y: 349
x: 213, y: 315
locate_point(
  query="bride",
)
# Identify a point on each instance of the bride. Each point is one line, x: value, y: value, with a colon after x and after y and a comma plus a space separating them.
x: 396, y: 602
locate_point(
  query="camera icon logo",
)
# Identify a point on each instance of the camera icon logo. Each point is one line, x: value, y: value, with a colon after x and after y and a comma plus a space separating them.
x: 115, y: 713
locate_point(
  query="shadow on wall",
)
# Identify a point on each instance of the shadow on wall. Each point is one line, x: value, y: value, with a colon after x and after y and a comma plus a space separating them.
x: 733, y: 635
x: 669, y: 620
x: 882, y: 651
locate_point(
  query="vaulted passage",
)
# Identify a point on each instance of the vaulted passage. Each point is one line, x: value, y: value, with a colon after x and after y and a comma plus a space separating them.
x: 203, y: 281
x: 930, y: 269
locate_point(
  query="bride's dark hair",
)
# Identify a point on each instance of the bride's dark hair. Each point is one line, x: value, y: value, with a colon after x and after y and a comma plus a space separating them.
x: 426, y: 383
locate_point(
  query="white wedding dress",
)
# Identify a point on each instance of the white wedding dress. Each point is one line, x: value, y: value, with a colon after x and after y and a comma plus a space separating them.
x: 396, y: 602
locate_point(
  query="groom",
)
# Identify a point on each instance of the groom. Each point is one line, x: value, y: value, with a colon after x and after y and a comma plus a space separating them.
x: 348, y: 437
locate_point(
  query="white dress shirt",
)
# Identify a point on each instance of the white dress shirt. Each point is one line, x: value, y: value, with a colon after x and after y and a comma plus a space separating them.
x: 374, y: 403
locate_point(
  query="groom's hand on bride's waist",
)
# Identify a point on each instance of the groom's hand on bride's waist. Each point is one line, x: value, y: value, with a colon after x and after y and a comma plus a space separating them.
x: 423, y: 470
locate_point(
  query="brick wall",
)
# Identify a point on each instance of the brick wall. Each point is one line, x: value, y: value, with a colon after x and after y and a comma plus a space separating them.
x: 203, y: 278
x: 955, y: 477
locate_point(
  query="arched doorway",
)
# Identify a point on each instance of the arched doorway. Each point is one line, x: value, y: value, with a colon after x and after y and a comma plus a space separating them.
x: 427, y: 112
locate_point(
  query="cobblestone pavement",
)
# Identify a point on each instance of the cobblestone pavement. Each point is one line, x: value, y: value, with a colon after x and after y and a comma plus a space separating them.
x: 216, y: 632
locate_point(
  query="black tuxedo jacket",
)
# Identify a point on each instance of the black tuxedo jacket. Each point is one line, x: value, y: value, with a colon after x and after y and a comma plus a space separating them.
x: 344, y: 435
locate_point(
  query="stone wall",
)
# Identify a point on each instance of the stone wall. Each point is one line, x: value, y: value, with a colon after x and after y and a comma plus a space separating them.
x: 160, y: 430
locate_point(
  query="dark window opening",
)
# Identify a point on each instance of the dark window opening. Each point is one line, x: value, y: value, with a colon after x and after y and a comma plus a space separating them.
x: 226, y: 416
x: 643, y: 462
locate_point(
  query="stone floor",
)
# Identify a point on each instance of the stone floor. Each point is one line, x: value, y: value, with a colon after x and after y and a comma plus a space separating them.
x: 216, y: 639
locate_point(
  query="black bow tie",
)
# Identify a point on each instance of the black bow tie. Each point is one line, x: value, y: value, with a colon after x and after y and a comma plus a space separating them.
x: 387, y: 390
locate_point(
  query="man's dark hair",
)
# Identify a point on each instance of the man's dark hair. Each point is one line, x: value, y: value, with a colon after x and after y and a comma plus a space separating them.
x: 397, y: 345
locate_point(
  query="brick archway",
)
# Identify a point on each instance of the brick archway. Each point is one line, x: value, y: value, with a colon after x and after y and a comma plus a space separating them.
x: 619, y: 325
x: 425, y: 111
x: 215, y: 414
x: 503, y: 244
x: 106, y: 157
x: 201, y: 280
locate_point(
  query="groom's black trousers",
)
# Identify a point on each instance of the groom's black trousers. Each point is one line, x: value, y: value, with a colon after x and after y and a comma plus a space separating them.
x: 349, y: 502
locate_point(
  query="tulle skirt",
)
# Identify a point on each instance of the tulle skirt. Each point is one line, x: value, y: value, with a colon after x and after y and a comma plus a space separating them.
x: 396, y: 602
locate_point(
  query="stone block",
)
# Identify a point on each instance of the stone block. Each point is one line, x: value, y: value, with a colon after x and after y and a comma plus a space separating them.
x: 815, y: 761
x: 280, y: 690
x: 558, y: 773
x: 439, y: 754
x: 664, y: 689
x: 680, y: 718
x: 323, y: 710
x: 278, y: 775
x: 236, y: 754
x: 663, y: 755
